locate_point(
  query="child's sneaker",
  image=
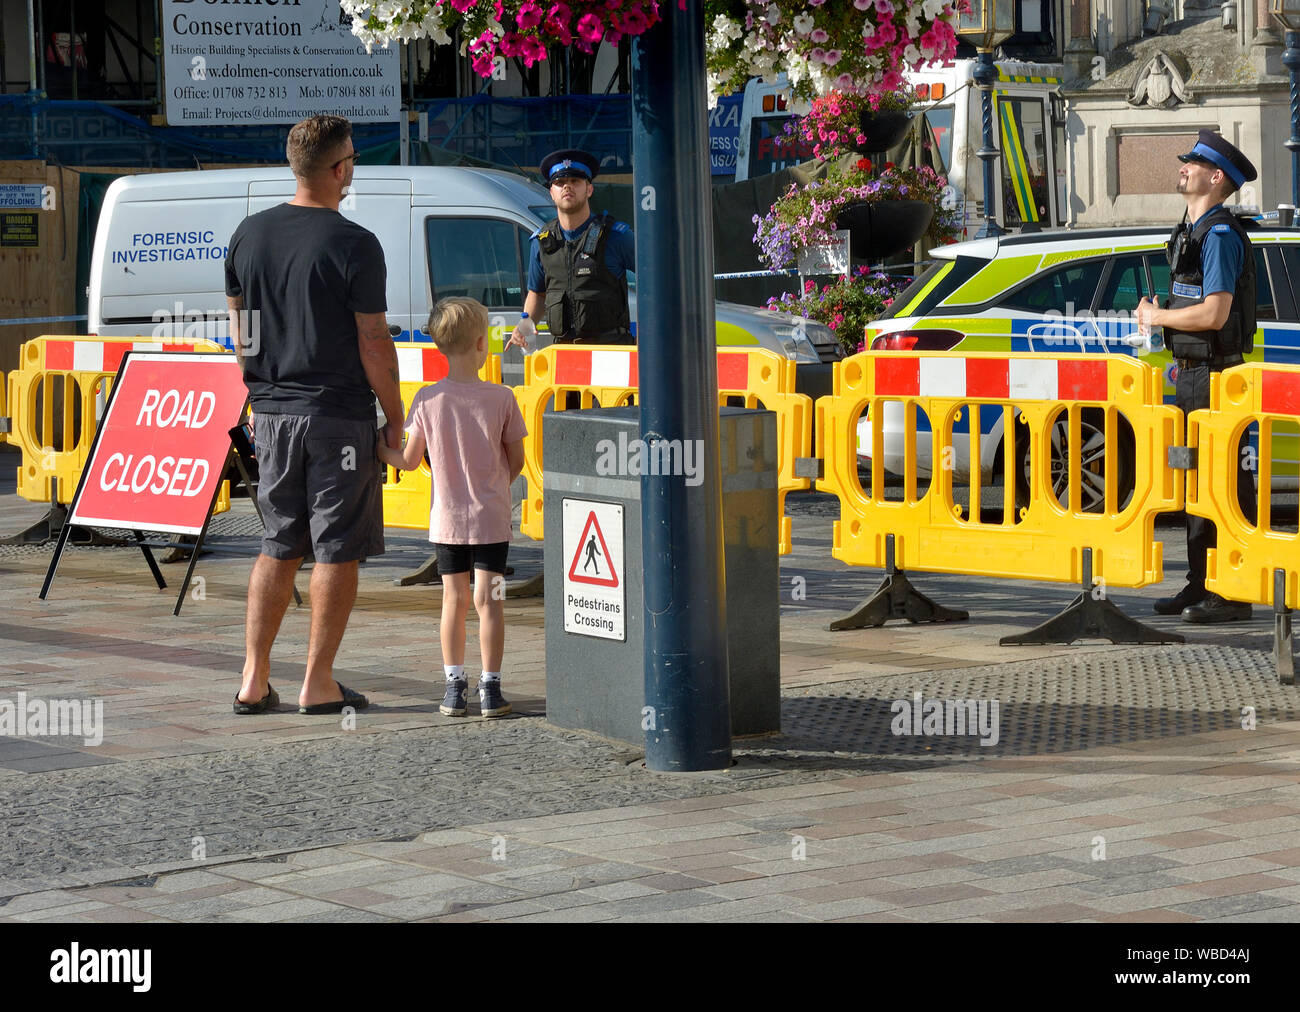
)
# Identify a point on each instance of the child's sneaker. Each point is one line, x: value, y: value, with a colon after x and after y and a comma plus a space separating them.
x: 491, y: 702
x: 454, y: 702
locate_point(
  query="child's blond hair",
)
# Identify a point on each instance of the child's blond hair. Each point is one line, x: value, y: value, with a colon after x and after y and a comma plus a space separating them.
x: 456, y: 323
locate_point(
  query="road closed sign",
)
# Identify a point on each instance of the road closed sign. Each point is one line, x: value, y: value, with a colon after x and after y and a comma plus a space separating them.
x: 595, y: 591
x: 163, y: 443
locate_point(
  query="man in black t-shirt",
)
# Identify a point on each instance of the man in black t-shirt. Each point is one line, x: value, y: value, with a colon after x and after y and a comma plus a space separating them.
x: 305, y: 288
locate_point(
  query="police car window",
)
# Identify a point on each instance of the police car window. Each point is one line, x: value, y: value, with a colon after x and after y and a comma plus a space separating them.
x: 1265, y: 304
x: 1125, y: 285
x: 1068, y: 289
x: 1159, y: 275
x: 477, y: 257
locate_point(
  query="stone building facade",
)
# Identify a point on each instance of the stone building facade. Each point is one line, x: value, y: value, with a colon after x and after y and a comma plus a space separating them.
x: 1135, y: 98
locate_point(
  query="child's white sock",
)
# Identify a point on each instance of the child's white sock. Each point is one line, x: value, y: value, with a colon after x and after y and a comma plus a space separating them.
x: 490, y: 676
x: 454, y: 672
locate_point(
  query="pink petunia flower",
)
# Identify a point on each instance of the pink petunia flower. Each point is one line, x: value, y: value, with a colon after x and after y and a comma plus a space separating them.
x: 533, y: 50
x: 590, y: 29
x: 529, y: 15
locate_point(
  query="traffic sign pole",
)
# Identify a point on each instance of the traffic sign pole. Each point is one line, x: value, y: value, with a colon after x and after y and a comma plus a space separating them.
x: 687, y: 719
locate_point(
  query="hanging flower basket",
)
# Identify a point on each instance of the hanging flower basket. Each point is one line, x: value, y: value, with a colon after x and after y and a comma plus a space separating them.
x: 884, y: 228
x: 805, y: 216
x: 883, y: 131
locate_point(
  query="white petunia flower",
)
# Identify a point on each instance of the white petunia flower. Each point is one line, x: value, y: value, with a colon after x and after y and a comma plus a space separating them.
x: 803, y: 23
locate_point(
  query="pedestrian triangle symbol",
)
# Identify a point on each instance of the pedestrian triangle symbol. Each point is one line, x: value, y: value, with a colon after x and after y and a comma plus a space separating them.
x: 593, y: 554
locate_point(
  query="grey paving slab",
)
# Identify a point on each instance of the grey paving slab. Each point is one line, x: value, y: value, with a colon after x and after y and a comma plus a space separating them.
x: 1227, y: 906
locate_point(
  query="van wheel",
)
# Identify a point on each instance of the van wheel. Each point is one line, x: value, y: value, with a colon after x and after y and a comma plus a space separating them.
x: 1093, y: 469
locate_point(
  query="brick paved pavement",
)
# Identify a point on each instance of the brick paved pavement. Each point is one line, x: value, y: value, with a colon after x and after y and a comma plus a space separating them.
x: 413, y: 815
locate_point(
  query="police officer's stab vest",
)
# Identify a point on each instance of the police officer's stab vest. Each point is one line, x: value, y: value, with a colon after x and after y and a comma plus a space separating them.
x: 584, y: 300
x: 1226, y: 346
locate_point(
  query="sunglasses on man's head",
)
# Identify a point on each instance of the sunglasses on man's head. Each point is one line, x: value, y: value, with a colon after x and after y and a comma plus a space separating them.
x: 346, y: 158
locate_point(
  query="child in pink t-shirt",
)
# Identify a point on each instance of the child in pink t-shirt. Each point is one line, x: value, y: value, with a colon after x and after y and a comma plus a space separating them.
x: 474, y: 435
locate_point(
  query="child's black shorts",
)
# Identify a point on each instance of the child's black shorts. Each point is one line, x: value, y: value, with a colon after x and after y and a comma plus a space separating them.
x: 459, y: 558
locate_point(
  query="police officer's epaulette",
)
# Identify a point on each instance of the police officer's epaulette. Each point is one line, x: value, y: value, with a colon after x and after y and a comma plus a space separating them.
x: 1221, y: 228
x: 619, y: 226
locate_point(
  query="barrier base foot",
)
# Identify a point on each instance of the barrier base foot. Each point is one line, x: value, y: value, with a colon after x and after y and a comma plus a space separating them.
x: 532, y: 587
x: 1283, y: 650
x: 48, y: 527
x: 428, y: 573
x: 1089, y: 618
x: 896, y: 598
x: 180, y: 548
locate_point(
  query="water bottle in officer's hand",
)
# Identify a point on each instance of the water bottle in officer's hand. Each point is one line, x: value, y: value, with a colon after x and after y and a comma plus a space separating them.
x: 1146, y: 340
x: 527, y: 330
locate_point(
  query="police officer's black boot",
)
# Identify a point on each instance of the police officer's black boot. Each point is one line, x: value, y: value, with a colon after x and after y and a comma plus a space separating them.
x: 1217, y: 609
x: 1185, y: 598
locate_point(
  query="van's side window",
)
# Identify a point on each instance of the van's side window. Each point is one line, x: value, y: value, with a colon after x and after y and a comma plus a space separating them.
x: 478, y: 257
x: 1067, y: 290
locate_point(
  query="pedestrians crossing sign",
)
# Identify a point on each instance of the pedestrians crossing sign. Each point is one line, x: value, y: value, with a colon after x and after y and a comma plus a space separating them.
x: 593, y: 552
x: 594, y: 592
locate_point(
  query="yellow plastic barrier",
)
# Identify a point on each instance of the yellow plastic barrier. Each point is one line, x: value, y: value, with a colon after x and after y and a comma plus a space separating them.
x: 1044, y: 540
x: 75, y: 371
x: 607, y: 376
x: 406, y: 493
x: 1242, y: 566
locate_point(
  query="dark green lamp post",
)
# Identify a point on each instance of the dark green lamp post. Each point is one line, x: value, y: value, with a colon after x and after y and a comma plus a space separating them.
x: 986, y: 25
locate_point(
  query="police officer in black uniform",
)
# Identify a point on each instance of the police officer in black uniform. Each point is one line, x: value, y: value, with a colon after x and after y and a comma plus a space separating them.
x: 1209, y: 326
x: 578, y: 263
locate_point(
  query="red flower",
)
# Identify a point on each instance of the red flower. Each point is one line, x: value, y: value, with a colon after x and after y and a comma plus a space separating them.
x: 864, y: 164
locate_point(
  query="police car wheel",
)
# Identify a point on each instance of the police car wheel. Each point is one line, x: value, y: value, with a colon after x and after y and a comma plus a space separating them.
x: 1092, y: 465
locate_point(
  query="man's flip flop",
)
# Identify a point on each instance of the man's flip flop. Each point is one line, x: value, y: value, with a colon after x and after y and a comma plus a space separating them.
x: 261, y: 706
x: 350, y: 698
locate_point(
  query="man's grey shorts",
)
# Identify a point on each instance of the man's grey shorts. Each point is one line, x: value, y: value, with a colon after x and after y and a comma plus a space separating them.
x: 319, y: 487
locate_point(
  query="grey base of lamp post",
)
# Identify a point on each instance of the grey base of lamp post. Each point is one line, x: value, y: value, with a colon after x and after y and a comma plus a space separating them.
x: 1291, y: 60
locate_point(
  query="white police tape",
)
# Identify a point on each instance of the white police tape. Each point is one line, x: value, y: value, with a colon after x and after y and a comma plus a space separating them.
x: 28, y: 321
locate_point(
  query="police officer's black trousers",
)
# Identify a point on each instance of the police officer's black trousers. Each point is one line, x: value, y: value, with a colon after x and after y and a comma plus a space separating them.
x: 1192, y: 391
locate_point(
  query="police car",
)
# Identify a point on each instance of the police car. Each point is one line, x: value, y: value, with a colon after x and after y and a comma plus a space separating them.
x: 1063, y: 293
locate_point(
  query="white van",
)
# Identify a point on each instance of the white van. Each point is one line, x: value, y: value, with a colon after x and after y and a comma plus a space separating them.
x: 160, y: 249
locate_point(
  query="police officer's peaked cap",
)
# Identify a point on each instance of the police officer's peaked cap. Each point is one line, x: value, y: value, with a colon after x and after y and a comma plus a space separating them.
x: 571, y: 162
x: 1214, y: 150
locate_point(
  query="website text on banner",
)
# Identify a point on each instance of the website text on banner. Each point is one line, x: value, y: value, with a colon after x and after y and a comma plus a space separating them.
x: 1047, y: 396
x: 607, y: 377
x: 76, y: 375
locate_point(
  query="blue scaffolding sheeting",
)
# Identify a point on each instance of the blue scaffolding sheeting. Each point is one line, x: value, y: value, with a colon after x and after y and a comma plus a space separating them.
x: 514, y: 132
